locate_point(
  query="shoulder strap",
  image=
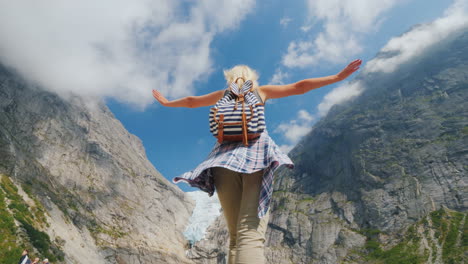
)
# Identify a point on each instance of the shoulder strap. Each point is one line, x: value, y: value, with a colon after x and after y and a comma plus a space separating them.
x: 255, y: 91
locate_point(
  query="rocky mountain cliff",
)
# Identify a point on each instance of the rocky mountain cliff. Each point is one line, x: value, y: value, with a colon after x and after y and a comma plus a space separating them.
x: 381, y: 179
x: 77, y: 187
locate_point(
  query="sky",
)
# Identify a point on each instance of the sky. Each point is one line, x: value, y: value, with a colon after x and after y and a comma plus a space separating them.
x: 118, y: 51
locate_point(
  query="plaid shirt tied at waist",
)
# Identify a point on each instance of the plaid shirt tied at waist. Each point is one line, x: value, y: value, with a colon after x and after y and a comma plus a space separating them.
x: 261, y: 154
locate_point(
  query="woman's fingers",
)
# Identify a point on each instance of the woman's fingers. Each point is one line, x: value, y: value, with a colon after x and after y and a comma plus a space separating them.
x: 348, y: 70
x: 356, y: 62
x: 158, y: 96
x: 354, y: 65
x: 155, y: 94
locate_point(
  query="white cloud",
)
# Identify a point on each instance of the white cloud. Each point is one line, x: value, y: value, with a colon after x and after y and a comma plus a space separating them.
x: 286, y: 148
x: 115, y: 48
x: 304, y: 115
x: 340, y: 95
x: 295, y: 129
x: 344, y: 24
x: 416, y: 41
x: 306, y: 28
x: 279, y: 77
x: 285, y: 21
x: 405, y: 47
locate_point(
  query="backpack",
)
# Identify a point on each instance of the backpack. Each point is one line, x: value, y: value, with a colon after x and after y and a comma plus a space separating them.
x: 239, y: 115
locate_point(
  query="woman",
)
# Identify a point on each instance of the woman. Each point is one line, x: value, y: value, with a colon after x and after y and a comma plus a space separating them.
x: 243, y: 175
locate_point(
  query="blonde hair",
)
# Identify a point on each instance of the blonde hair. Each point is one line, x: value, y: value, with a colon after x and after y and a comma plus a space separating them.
x: 240, y: 74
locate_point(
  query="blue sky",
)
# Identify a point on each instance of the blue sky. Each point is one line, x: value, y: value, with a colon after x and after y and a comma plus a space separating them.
x: 177, y: 139
x: 182, y: 47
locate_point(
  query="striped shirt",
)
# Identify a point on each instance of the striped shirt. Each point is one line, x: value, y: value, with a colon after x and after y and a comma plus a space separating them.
x: 261, y: 154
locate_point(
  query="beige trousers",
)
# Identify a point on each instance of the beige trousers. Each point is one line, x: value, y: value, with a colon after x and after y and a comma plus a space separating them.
x: 239, y: 194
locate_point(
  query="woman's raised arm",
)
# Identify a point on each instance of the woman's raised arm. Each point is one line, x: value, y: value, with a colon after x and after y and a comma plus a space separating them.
x: 190, y: 101
x: 301, y: 87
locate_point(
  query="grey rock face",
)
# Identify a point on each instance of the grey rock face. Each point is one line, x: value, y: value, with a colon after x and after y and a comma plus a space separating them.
x: 214, y: 247
x: 381, y: 162
x: 80, y: 159
x: 390, y: 157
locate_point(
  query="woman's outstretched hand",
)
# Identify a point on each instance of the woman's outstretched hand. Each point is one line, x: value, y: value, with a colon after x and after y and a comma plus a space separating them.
x: 161, y: 99
x: 348, y: 70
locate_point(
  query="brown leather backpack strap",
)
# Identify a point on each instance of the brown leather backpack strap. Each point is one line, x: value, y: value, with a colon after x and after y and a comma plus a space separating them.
x: 244, y: 125
x: 221, y: 128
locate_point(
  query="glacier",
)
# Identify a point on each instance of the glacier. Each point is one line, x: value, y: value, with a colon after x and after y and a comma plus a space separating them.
x: 205, y: 212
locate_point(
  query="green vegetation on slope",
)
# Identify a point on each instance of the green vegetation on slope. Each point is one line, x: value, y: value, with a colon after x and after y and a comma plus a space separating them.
x: 406, y: 252
x: 449, y: 236
x: 448, y: 226
x: 13, y: 207
x: 11, y: 250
